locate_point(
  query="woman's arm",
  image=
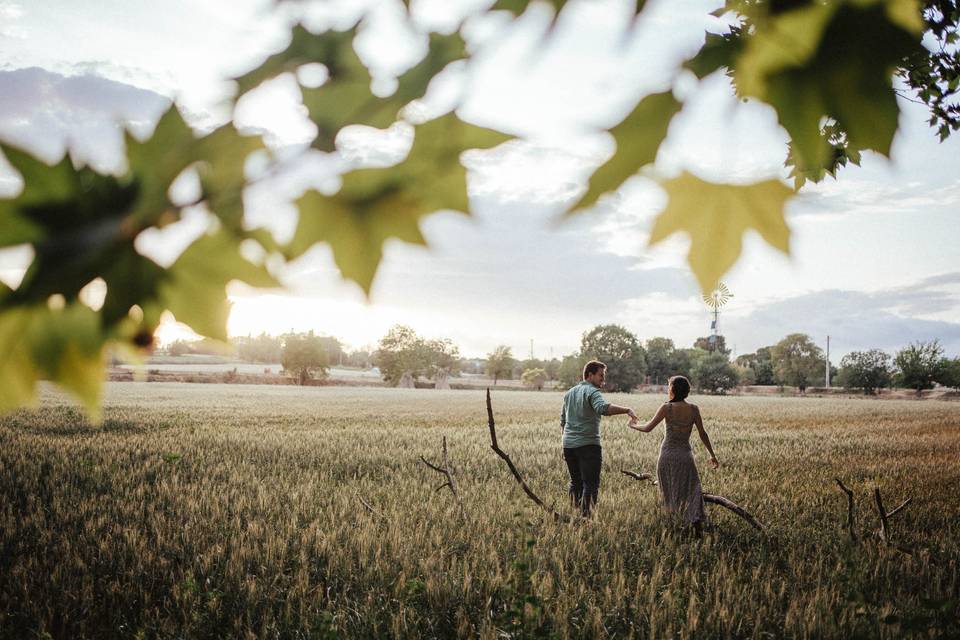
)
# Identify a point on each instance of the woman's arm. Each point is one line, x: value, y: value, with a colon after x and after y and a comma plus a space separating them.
x: 704, y: 438
x: 654, y: 421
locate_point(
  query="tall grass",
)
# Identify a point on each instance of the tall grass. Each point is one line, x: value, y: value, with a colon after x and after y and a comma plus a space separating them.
x: 234, y: 511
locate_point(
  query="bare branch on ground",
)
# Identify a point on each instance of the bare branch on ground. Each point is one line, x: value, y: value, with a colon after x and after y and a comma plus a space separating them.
x: 447, y: 471
x: 559, y: 517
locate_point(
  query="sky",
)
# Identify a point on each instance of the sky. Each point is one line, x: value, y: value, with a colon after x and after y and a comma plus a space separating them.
x: 873, y: 260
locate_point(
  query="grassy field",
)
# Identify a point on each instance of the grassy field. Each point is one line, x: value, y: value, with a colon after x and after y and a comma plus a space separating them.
x: 235, y: 511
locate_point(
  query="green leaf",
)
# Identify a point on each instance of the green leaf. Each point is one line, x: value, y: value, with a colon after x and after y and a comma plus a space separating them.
x: 374, y: 205
x: 67, y: 347
x: 222, y: 156
x: 305, y: 47
x: 716, y: 216
x: 154, y: 164
x: 195, y: 289
x: 17, y: 372
x: 717, y: 52
x: 638, y: 137
x: 42, y: 185
x: 345, y: 97
x: 822, y: 60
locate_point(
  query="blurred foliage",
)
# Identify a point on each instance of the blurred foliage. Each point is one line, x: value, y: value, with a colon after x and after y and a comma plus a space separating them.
x: 826, y: 68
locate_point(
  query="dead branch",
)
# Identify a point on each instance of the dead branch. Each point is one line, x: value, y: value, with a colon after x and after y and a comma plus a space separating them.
x: 369, y: 508
x: 850, y: 521
x: 885, y: 516
x: 898, y: 509
x: 709, y: 498
x: 884, y: 536
x: 513, y: 469
x: 639, y: 476
x: 447, y: 471
x: 735, y: 508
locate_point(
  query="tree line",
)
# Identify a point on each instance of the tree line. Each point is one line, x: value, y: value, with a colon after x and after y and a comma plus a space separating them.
x: 403, y: 357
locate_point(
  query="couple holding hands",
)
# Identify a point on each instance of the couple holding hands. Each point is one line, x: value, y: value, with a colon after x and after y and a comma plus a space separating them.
x: 677, y: 477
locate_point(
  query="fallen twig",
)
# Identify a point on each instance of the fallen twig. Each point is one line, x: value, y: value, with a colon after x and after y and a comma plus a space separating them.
x: 639, y: 476
x: 447, y: 471
x: 369, y: 508
x: 850, y: 521
x: 885, y: 517
x: 709, y: 498
x: 513, y: 469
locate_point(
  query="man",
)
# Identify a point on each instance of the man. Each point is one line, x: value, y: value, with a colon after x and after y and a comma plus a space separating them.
x: 583, y: 405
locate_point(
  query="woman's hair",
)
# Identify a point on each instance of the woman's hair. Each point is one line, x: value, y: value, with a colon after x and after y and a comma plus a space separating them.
x: 678, y: 388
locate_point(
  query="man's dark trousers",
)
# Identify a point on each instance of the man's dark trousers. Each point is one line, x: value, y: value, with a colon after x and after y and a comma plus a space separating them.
x: 583, y: 463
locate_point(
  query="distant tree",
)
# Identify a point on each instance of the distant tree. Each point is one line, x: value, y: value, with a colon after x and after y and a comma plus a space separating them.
x: 797, y: 361
x: 360, y: 358
x: 714, y: 373
x: 304, y: 356
x: 571, y: 369
x: 760, y: 364
x: 333, y: 349
x: 400, y: 351
x: 919, y: 365
x: 179, y: 348
x: 868, y: 370
x: 660, y: 359
x: 621, y: 351
x: 500, y: 363
x: 262, y: 348
x: 552, y: 367
x: 534, y: 378
x: 684, y: 361
x: 441, y: 355
x: 950, y: 373
x: 719, y: 345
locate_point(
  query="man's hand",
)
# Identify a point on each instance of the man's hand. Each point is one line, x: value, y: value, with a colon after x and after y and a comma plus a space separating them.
x: 634, y: 423
x: 632, y: 415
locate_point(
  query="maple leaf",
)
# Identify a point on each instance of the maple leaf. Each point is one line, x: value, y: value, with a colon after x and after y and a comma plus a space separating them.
x: 374, y: 205
x: 716, y: 216
x: 638, y: 137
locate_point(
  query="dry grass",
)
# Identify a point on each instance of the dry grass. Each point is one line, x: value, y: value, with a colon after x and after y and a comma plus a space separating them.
x: 233, y: 511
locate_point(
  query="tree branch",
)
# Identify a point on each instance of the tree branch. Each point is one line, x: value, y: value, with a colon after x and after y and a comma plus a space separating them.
x: 884, y: 536
x: 513, y: 469
x: 639, y: 476
x: 850, y: 521
x: 709, y: 498
x: 898, y: 509
x: 447, y: 471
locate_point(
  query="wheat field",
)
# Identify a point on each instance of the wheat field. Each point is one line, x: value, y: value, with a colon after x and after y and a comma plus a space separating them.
x: 206, y: 511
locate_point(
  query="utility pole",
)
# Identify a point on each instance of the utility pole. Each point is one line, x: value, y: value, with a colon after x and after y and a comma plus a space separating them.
x: 531, y: 348
x: 828, y: 362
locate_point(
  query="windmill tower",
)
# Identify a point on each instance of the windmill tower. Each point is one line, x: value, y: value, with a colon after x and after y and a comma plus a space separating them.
x: 715, y: 300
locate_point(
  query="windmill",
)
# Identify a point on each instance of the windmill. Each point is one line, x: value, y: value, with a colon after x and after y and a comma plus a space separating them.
x: 716, y: 299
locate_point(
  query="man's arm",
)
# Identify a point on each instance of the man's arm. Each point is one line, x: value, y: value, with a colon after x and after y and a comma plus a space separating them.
x: 616, y: 410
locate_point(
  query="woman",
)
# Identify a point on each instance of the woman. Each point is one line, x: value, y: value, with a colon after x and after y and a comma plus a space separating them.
x: 677, y: 476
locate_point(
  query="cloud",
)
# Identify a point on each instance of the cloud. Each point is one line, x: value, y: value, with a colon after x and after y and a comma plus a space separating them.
x: 855, y: 320
x: 46, y: 112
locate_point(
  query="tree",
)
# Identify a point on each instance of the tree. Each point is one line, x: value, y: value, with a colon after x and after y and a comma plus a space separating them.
x: 685, y: 362
x: 919, y: 365
x: 620, y: 350
x: 950, y: 373
x: 400, y: 351
x: 660, y: 359
x: 714, y: 373
x: 798, y: 361
x: 832, y: 90
x: 500, y: 363
x: 534, y: 378
x: 760, y: 364
x: 719, y: 345
x: 262, y: 348
x: 441, y: 355
x: 571, y: 369
x: 868, y: 370
x: 304, y: 356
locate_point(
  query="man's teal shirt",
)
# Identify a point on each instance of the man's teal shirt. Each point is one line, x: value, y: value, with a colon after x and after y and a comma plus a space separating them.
x: 580, y: 418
